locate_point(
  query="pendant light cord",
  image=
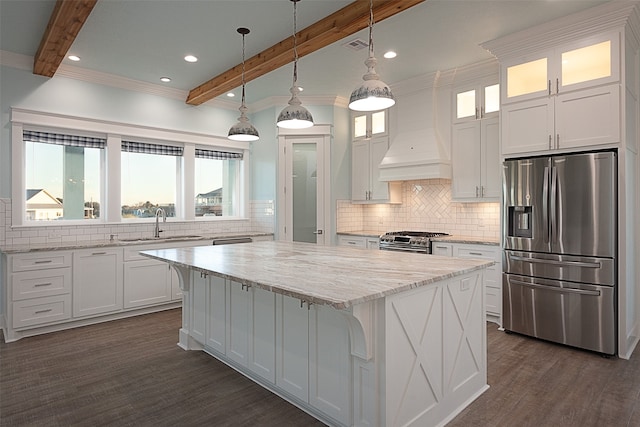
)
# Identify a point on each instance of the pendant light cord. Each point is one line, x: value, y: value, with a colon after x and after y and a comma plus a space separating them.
x: 295, y: 44
x: 243, y: 68
x: 371, y: 28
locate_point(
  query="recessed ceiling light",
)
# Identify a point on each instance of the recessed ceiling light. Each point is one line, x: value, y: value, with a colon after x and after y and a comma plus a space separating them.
x: 390, y: 54
x: 190, y: 58
x: 165, y: 79
x: 74, y: 58
x: 231, y: 94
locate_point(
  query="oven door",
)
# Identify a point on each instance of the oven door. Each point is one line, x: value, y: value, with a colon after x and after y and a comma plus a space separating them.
x: 578, y: 315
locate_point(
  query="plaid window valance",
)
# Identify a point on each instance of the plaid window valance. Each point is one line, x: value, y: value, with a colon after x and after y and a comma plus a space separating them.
x: 62, y: 139
x: 148, y: 148
x: 216, y: 155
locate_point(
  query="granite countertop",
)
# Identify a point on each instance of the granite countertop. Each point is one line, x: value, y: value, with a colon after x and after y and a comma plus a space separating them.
x: 467, y: 239
x: 361, y: 233
x: 328, y: 275
x: 14, y: 249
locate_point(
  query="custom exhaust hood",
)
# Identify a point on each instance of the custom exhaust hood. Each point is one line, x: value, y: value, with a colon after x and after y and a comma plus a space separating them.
x: 415, y: 154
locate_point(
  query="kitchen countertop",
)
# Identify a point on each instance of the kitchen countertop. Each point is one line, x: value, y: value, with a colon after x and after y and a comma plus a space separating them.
x: 13, y: 249
x: 445, y: 239
x: 328, y: 275
x: 467, y: 240
x: 361, y: 233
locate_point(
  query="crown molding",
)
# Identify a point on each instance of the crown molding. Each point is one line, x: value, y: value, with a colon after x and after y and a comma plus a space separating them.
x: 16, y: 60
x: 605, y: 17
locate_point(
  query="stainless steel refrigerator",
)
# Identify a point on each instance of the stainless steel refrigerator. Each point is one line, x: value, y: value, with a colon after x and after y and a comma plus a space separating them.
x: 560, y: 245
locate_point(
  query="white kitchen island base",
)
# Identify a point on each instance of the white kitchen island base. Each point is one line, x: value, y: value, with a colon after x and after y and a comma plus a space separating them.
x: 415, y: 358
x: 399, y: 344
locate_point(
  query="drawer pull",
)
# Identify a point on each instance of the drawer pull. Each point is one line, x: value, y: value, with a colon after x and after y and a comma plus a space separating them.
x: 43, y: 311
x: 475, y: 253
x: 98, y: 253
x: 38, y: 285
x: 47, y: 261
x: 441, y: 247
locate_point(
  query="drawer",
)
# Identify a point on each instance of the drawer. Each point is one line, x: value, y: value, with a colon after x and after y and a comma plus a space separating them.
x: 476, y: 253
x: 39, y: 261
x: 353, y: 242
x: 493, y: 300
x: 41, y: 283
x: 442, y: 249
x: 41, y: 310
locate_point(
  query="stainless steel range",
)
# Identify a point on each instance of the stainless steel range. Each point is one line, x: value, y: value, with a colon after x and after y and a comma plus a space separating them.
x: 408, y: 241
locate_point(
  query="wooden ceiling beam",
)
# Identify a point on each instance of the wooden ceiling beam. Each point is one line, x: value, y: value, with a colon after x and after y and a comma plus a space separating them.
x: 66, y: 20
x: 346, y: 21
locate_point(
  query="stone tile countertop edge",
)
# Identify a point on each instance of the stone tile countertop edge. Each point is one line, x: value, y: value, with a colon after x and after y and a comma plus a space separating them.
x: 58, y: 246
x: 336, y: 276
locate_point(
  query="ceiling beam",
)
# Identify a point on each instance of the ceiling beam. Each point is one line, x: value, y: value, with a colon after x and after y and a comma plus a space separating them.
x: 66, y: 20
x: 346, y: 21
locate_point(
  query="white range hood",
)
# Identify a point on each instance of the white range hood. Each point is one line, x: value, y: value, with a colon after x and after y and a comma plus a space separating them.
x: 417, y: 154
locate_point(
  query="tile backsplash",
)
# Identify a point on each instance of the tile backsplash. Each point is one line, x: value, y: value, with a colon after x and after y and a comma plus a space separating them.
x: 426, y: 205
x: 261, y: 213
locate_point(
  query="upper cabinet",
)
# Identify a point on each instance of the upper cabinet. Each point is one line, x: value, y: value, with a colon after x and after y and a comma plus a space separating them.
x: 477, y: 100
x: 366, y: 186
x: 563, y: 98
x: 587, y: 63
x: 366, y: 125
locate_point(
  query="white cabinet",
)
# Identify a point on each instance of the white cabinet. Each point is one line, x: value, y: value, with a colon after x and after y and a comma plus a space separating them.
x: 571, y: 120
x: 251, y: 329
x: 198, y: 311
x: 361, y: 242
x: 366, y: 186
x: 97, y: 281
x: 38, y: 289
x: 563, y: 98
x: 216, y: 328
x: 441, y: 249
x: 146, y: 282
x: 477, y: 100
x: 366, y: 125
x: 492, y: 282
x: 475, y: 157
x: 292, y: 347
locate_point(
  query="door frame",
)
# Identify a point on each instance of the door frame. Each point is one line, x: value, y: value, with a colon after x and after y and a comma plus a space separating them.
x: 322, y: 133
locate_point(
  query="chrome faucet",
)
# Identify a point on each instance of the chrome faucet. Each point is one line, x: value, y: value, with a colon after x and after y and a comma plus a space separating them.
x: 159, y: 212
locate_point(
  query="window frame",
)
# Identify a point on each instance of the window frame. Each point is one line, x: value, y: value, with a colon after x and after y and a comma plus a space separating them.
x: 111, y: 161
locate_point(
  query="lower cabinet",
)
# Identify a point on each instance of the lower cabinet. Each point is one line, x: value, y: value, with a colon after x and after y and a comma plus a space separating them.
x: 292, y: 347
x: 361, y: 242
x: 146, y: 282
x: 492, y: 278
x: 97, y: 282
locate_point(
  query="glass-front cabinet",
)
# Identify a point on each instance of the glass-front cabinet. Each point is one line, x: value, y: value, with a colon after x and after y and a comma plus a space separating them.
x: 477, y: 101
x: 587, y: 63
x: 370, y: 124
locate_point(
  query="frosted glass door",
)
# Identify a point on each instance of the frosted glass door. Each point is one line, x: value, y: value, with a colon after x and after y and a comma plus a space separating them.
x: 304, y: 179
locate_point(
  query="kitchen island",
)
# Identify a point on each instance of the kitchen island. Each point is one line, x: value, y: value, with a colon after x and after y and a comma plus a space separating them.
x: 371, y: 338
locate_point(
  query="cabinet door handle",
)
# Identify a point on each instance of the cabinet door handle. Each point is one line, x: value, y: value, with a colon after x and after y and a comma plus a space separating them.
x: 549, y: 87
x: 549, y: 142
x: 477, y: 113
x: 557, y: 85
x: 482, y: 112
x: 477, y: 191
x: 557, y: 141
x: 39, y: 285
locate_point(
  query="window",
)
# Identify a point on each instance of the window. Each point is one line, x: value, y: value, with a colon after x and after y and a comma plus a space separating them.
x: 217, y: 183
x: 62, y: 176
x: 149, y: 179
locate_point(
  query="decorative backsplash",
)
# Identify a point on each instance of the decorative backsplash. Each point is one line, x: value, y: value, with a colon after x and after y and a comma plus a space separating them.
x: 426, y: 206
x: 261, y: 213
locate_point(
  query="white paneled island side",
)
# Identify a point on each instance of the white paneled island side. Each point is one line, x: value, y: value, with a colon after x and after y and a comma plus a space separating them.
x: 363, y: 338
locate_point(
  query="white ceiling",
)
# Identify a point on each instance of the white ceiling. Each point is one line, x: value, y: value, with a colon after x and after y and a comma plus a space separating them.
x: 145, y: 40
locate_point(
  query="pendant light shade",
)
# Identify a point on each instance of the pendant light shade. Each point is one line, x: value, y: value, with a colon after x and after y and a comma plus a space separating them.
x: 243, y: 130
x: 295, y: 116
x: 373, y: 94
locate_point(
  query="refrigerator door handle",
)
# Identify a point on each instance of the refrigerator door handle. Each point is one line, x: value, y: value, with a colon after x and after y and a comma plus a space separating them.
x: 556, y: 289
x: 560, y: 263
x: 545, y: 205
x: 553, y: 211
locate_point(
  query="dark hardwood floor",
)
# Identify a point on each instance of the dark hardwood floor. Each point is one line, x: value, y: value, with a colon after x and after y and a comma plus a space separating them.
x: 131, y: 373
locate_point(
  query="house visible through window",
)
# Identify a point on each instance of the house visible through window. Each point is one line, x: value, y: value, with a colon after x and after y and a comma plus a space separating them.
x: 62, y: 176
x: 217, y: 188
x: 149, y: 179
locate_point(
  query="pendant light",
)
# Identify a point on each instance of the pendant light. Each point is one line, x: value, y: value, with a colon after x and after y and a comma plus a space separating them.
x: 243, y: 130
x: 295, y: 116
x: 373, y: 94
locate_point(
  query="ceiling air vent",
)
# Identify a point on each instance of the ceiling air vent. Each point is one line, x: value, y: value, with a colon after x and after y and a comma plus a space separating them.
x: 356, y: 44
